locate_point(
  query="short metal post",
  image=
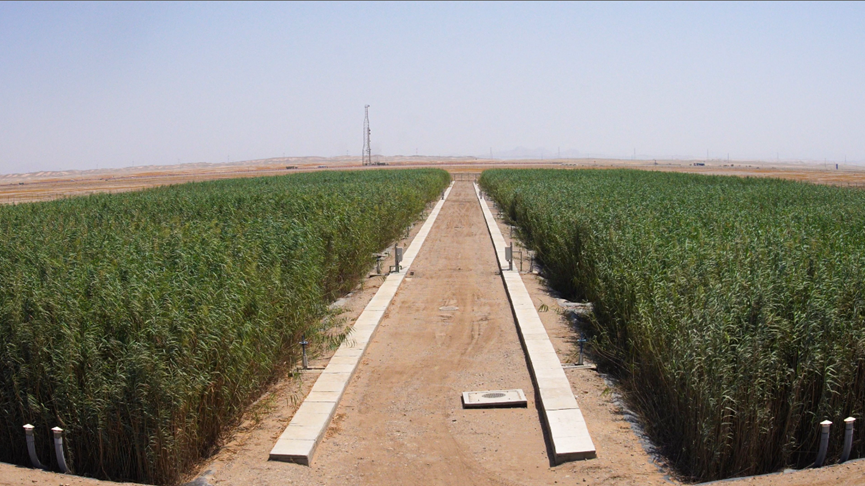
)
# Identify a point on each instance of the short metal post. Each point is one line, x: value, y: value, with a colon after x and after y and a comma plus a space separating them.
x: 31, y: 447
x: 396, y: 258
x: 58, y: 449
x: 824, y: 442
x: 848, y: 438
x: 303, y: 344
x: 509, y: 256
x: 582, y: 341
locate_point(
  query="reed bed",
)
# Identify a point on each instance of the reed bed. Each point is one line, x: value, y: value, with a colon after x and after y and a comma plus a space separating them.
x: 732, y: 309
x: 145, y: 323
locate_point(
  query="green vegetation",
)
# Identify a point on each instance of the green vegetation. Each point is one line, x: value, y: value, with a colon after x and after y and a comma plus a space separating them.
x: 733, y: 310
x: 145, y: 323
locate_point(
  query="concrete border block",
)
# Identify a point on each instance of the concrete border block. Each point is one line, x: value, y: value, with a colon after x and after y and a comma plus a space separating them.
x: 293, y: 450
x: 306, y: 429
x: 563, y: 421
x: 558, y: 398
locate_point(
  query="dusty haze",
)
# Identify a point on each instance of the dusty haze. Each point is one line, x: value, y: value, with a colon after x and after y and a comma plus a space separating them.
x: 87, y: 86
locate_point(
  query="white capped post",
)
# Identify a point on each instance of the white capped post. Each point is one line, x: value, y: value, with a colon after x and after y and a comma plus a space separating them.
x: 848, y: 438
x: 31, y: 447
x: 824, y: 442
x: 58, y: 449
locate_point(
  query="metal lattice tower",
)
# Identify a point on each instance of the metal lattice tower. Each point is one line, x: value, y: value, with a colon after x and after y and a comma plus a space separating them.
x: 367, y: 150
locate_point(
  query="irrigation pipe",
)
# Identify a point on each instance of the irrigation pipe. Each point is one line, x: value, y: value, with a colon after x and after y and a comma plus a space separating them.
x: 848, y: 438
x: 58, y: 449
x: 31, y: 447
x: 824, y: 442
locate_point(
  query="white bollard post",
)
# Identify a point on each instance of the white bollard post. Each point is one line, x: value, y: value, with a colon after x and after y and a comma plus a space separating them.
x: 31, y: 447
x: 824, y: 443
x: 58, y: 449
x: 848, y: 438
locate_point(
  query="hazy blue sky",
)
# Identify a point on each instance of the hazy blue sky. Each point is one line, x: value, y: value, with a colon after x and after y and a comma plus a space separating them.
x: 93, y: 84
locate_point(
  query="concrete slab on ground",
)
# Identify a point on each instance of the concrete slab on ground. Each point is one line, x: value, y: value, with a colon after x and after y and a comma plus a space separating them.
x: 566, y: 428
x: 306, y: 429
x: 494, y: 399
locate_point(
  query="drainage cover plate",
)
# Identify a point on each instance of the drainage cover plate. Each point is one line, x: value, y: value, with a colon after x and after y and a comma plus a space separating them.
x: 494, y: 398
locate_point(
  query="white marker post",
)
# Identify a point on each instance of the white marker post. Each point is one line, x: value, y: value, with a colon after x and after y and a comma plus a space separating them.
x: 824, y: 442
x: 848, y: 438
x: 58, y: 449
x: 31, y: 447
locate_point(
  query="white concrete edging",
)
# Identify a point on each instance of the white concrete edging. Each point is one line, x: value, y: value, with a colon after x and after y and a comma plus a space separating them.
x: 565, y: 426
x: 306, y: 429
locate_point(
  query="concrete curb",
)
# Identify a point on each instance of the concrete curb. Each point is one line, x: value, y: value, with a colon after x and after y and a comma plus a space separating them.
x: 306, y: 429
x: 565, y: 426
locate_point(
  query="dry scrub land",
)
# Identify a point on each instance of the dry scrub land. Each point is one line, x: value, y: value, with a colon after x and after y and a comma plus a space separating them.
x: 40, y: 186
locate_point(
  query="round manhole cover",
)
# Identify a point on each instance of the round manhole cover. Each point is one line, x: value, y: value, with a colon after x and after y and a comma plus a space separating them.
x: 493, y: 395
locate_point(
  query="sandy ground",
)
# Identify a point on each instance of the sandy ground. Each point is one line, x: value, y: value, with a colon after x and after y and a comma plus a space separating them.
x: 849, y: 474
x: 40, y: 186
x: 401, y: 420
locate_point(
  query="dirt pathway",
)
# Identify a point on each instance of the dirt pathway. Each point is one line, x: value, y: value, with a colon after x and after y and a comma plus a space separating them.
x: 448, y: 330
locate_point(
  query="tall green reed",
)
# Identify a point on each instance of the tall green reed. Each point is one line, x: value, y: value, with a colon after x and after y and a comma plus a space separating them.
x: 145, y: 323
x: 733, y: 309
